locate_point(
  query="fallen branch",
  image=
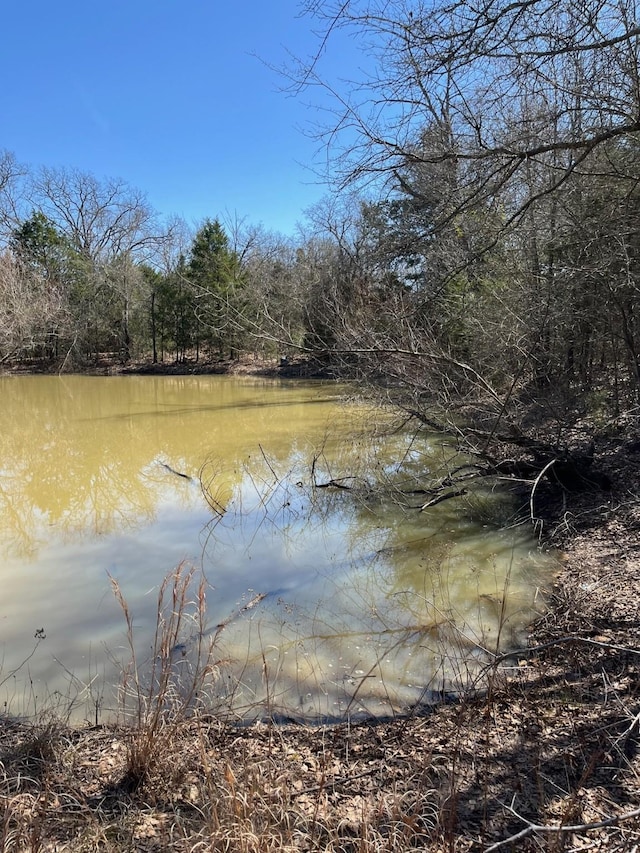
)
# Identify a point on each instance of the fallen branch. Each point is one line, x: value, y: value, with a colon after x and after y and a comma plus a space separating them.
x: 459, y: 493
x: 532, y: 828
x: 336, y: 484
x: 177, y: 473
x: 531, y: 650
x: 535, y: 486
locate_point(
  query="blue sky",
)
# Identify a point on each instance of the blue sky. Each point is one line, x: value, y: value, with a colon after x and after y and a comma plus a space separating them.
x: 170, y: 95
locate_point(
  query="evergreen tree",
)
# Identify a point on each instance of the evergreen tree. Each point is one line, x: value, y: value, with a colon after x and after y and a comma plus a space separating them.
x: 213, y: 272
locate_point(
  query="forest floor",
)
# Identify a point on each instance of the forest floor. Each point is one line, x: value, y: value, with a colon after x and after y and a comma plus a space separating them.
x: 547, y: 758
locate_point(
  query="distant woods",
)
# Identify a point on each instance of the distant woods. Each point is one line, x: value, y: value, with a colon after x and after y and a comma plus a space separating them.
x: 481, y: 253
x: 90, y: 274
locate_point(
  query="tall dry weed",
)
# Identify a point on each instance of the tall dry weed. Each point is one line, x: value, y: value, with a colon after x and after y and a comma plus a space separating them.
x: 161, y: 690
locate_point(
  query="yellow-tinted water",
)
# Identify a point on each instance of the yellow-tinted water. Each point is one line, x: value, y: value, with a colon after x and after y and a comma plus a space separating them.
x: 364, y: 606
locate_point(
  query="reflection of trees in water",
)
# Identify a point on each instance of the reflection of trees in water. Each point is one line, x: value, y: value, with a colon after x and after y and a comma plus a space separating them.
x: 84, y: 454
x: 18, y: 519
x: 79, y: 454
x: 80, y: 487
x: 368, y: 602
x: 393, y: 607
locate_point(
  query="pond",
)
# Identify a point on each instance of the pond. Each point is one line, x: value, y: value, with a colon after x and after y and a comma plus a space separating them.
x: 328, y: 593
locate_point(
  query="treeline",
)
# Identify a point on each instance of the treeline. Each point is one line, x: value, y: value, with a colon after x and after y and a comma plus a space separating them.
x: 485, y: 243
x: 492, y: 278
x: 88, y: 270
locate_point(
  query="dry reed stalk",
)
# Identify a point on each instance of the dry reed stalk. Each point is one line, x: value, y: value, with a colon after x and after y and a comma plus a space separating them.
x: 170, y: 686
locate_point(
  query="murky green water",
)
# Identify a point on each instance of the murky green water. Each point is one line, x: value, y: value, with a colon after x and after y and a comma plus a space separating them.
x: 358, y: 606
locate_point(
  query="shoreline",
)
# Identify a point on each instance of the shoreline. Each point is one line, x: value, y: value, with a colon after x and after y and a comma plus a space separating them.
x: 554, y: 742
x: 284, y: 368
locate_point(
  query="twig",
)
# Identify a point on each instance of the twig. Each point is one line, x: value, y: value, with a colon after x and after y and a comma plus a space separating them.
x: 531, y: 828
x: 269, y: 465
x: 66, y: 358
x: 561, y: 641
x: 459, y: 493
x: 39, y: 636
x: 535, y: 486
x: 335, y: 483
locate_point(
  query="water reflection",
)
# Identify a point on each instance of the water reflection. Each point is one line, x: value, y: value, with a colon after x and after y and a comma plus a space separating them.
x: 365, y: 608
x: 92, y: 455
x: 360, y: 606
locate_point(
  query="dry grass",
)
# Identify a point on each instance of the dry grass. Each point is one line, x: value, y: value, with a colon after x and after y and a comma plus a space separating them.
x: 158, y: 694
x: 548, y: 759
x: 444, y: 782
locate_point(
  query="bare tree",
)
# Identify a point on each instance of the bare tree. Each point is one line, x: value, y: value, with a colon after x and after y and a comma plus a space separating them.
x: 102, y: 219
x: 11, y: 175
x: 30, y: 310
x: 485, y: 132
x: 112, y: 229
x: 497, y: 85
